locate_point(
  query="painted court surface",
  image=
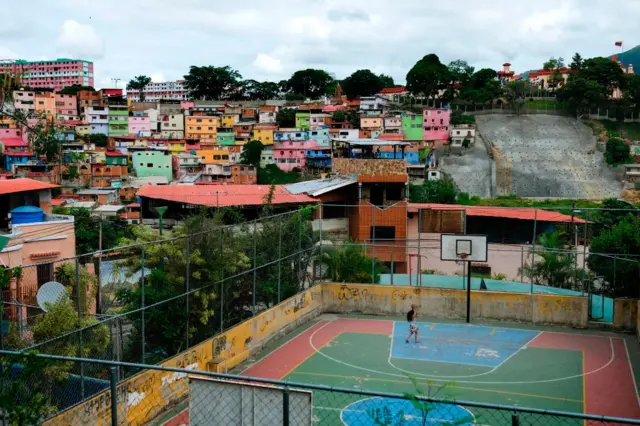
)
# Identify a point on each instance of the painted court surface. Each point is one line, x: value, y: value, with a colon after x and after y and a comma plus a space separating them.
x: 510, y: 366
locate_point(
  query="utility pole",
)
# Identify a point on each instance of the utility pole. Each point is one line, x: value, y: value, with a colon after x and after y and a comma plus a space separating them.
x: 98, y: 290
x: 115, y: 81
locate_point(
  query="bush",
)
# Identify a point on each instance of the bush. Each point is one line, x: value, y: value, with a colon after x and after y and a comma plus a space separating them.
x: 499, y: 276
x: 441, y: 191
x: 617, y: 152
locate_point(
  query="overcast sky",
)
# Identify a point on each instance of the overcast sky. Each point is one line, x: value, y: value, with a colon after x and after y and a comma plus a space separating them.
x: 268, y: 40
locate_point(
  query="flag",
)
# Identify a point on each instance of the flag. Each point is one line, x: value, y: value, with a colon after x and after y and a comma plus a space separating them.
x: 619, y: 43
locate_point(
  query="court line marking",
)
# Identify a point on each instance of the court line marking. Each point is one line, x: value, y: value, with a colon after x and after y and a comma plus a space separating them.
x: 633, y: 376
x: 468, y: 376
x: 462, y: 381
x: 489, y: 326
x: 450, y: 385
x: 493, y: 331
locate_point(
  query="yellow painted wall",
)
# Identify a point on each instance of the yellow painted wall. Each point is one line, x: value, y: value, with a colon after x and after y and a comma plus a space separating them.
x: 201, y: 127
x: 177, y: 147
x: 263, y: 135
x: 625, y: 313
x: 228, y: 120
x: 143, y: 396
x: 452, y: 304
x: 216, y: 156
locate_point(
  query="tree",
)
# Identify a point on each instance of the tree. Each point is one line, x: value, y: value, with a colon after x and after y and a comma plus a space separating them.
x: 98, y: 139
x: 622, y: 243
x: 8, y: 83
x: 212, y: 83
x: 339, y: 116
x: 556, y: 264
x: 262, y: 90
x: 348, y: 263
x: 272, y: 175
x: 442, y: 191
x: 553, y: 63
x: 617, y: 152
x: 310, y: 83
x: 251, y: 152
x: 361, y: 83
x: 576, y: 62
x: 605, y: 72
x: 458, y: 117
x: 515, y: 92
x: 44, y: 140
x: 632, y: 91
x: 286, y: 117
x: 579, y: 95
x: 428, y: 76
x: 74, y: 89
x: 387, y: 81
x: 483, y: 86
x: 556, y: 65
x: 461, y: 73
x: 139, y: 83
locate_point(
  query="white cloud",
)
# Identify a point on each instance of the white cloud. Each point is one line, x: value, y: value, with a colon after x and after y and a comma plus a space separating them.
x: 80, y: 41
x: 157, y: 77
x: 6, y: 53
x: 268, y: 64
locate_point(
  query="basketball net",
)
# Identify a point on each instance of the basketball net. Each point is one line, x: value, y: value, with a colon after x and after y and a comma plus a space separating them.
x: 461, y: 258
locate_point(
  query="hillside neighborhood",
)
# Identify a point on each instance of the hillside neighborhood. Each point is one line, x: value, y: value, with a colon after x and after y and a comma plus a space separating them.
x: 190, y: 222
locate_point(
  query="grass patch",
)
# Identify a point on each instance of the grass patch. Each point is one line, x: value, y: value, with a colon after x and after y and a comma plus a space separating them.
x: 622, y: 130
x: 548, y: 104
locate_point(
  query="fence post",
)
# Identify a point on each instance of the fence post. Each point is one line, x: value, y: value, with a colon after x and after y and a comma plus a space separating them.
x: 584, y: 254
x: 255, y: 264
x: 222, y: 303
x: 533, y: 252
x: 80, y: 313
x: 187, y: 283
x: 300, y: 277
x: 320, y: 241
x: 142, y: 304
x: 392, y: 268
x: 515, y: 421
x: 285, y: 406
x: 521, y: 264
x: 373, y: 247
x: 419, y: 265
x: 114, y: 396
x: 279, y: 256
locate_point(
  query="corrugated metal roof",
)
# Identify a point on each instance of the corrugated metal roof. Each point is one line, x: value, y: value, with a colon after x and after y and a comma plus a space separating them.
x: 12, y: 186
x: 95, y: 191
x: 370, y: 142
x: 524, y: 213
x: 109, y: 209
x: 222, y: 196
x: 319, y: 186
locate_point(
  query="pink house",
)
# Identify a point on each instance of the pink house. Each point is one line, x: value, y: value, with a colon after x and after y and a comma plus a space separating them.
x: 66, y: 105
x: 290, y: 155
x: 140, y: 125
x: 436, y: 124
x: 10, y: 134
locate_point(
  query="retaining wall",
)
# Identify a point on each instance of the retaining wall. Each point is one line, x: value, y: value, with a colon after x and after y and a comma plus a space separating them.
x: 625, y: 314
x: 142, y: 397
x: 452, y: 304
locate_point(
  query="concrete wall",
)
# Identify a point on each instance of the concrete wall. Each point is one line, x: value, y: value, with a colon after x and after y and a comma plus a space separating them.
x: 451, y: 304
x: 625, y: 313
x: 142, y: 397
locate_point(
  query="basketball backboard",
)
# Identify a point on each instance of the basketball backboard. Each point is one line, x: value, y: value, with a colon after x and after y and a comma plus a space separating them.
x: 472, y: 248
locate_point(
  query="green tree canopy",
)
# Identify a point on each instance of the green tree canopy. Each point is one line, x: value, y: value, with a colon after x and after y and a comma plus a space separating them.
x: 617, y: 152
x: 260, y: 91
x: 482, y: 87
x: 442, y: 191
x: 272, y: 175
x: 251, y: 152
x: 554, y: 263
x: 311, y: 83
x: 139, y: 83
x: 286, y: 117
x: 212, y: 83
x: 461, y: 73
x: 428, y: 76
x: 386, y: 80
x: 576, y: 62
x: 515, y: 92
x: 74, y: 89
x: 622, y: 242
x: 361, y: 83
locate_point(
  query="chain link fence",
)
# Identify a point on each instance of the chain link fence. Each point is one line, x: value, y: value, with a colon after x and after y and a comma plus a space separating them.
x: 206, y: 398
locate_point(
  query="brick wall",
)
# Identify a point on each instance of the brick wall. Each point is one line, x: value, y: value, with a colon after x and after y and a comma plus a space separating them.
x: 368, y: 216
x: 372, y: 167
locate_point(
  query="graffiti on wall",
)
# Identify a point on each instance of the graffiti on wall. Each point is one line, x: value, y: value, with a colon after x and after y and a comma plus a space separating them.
x: 351, y: 293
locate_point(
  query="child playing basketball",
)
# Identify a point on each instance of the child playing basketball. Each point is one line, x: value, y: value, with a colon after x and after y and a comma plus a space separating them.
x: 413, y: 326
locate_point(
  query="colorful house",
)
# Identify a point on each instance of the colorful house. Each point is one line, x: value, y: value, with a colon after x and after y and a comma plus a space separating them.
x: 118, y: 120
x: 46, y: 104
x: 225, y: 138
x: 371, y: 123
x: 201, y: 127
x: 318, y: 121
x: 213, y: 156
x: 436, y: 124
x: 318, y: 156
x: 291, y: 155
x: 243, y: 132
x: 140, y: 125
x: 264, y: 134
x: 303, y: 120
x: 321, y: 136
x: 230, y: 120
x: 291, y: 135
x: 176, y: 146
x: 153, y: 163
x: 66, y: 105
x: 17, y: 158
x: 412, y: 126
x: 112, y: 172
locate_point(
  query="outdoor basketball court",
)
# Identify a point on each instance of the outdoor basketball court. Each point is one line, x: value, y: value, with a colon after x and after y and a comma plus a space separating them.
x: 510, y: 366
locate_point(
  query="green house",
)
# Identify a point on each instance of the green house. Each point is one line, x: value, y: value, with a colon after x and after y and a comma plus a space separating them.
x: 153, y: 163
x: 412, y: 126
x: 118, y: 120
x: 226, y: 138
x: 116, y: 158
x: 303, y: 120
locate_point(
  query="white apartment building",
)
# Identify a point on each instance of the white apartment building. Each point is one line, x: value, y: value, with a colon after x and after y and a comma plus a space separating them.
x: 165, y: 90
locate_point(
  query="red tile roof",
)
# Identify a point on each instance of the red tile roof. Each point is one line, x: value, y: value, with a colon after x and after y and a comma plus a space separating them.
x: 45, y: 254
x: 115, y: 154
x: 13, y: 142
x: 57, y: 202
x: 524, y: 213
x: 11, y: 186
x: 221, y: 196
x: 390, y: 90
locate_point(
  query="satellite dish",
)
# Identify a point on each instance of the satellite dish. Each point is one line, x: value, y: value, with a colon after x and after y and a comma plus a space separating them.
x: 50, y: 293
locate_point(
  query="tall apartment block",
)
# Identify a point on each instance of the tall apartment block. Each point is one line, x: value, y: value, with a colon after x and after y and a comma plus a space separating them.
x: 55, y: 74
x: 164, y: 90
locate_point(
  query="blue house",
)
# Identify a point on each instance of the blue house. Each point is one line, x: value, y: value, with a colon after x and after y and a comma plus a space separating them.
x: 318, y: 157
x: 291, y: 135
x: 321, y: 136
x: 11, y: 158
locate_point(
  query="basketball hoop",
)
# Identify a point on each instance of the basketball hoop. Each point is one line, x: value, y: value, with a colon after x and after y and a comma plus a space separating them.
x: 461, y: 258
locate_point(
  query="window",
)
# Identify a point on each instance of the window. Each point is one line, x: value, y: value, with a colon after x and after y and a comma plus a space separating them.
x: 149, y: 164
x: 45, y: 273
x: 382, y: 232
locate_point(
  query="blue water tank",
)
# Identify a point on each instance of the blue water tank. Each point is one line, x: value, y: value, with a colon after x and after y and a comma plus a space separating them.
x: 26, y: 214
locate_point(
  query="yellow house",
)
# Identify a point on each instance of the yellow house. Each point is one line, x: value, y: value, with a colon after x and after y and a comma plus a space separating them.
x: 264, y: 134
x: 7, y: 123
x: 83, y: 130
x: 201, y: 127
x: 176, y: 146
x: 371, y: 122
x: 229, y: 120
x: 213, y: 156
x: 46, y: 104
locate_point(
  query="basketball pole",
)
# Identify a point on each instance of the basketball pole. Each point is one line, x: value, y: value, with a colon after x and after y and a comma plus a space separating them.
x: 468, y: 291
